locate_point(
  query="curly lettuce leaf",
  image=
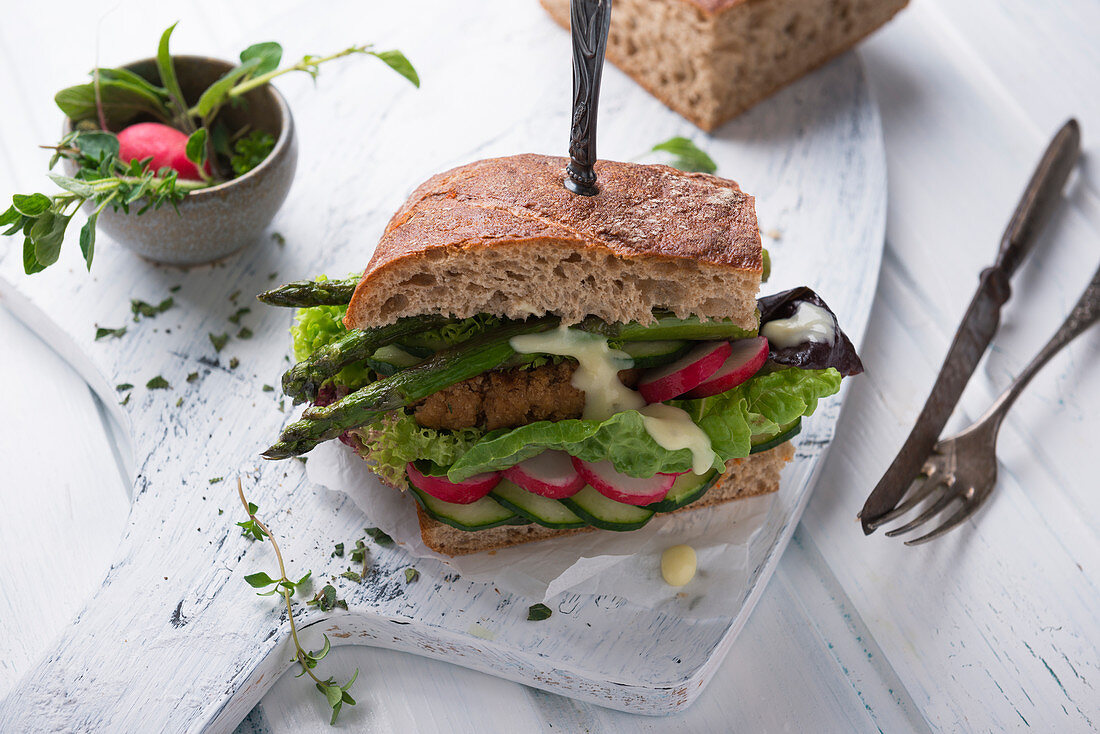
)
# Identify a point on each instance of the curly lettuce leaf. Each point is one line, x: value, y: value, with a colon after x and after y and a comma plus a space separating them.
x: 319, y: 326
x: 395, y: 440
x: 756, y: 408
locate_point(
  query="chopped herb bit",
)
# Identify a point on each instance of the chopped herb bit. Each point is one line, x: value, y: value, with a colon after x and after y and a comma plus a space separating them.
x: 126, y: 399
x: 101, y: 332
x: 411, y: 574
x: 352, y: 576
x: 215, y: 480
x: 221, y: 511
x: 326, y: 599
x: 219, y: 341
x: 124, y: 386
x: 267, y: 388
x: 279, y: 239
x: 282, y: 409
x: 158, y: 383
x: 234, y: 296
x: 234, y: 363
x: 302, y: 459
x: 179, y: 401
x: 338, y: 552
x: 140, y: 308
x: 236, y: 317
x: 175, y: 289
x: 244, y: 333
x: 193, y: 376
x: 359, y: 555
x: 538, y: 612
x: 273, y: 275
x: 379, y: 537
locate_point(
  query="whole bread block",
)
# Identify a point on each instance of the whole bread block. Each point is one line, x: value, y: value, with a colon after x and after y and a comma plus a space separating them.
x: 710, y: 60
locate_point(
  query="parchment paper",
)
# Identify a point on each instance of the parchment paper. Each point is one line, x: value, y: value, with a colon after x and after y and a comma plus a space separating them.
x: 627, y: 565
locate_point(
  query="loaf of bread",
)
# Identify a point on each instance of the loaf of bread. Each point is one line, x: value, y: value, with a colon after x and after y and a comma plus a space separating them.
x: 711, y: 60
x: 503, y: 236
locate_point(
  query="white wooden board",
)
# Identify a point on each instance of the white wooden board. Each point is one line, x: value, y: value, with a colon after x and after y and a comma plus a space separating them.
x: 174, y: 639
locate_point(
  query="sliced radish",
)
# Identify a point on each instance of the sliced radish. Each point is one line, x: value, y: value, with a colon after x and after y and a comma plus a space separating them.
x: 746, y: 359
x: 461, y: 493
x: 550, y: 474
x: 622, y: 488
x: 686, y: 373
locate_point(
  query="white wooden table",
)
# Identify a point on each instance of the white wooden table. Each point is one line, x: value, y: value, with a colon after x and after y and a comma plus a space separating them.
x: 996, y: 626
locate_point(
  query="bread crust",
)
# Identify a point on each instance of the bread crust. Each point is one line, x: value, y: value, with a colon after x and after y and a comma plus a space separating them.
x: 749, y: 477
x: 643, y: 214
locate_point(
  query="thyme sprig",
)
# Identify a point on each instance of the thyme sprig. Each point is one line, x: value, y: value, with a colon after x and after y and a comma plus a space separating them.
x: 335, y: 694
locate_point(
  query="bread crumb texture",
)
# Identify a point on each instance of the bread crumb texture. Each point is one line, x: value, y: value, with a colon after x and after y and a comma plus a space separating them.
x: 503, y: 236
x: 710, y: 60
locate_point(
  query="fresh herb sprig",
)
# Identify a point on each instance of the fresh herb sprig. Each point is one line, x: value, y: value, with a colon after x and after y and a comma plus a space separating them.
x: 116, y: 97
x: 335, y: 694
x: 686, y: 155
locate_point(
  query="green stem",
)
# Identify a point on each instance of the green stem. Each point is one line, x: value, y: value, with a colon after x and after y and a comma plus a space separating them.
x: 299, y: 652
x: 303, y: 65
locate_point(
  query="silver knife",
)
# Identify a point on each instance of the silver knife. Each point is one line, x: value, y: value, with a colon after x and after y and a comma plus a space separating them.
x: 978, y: 325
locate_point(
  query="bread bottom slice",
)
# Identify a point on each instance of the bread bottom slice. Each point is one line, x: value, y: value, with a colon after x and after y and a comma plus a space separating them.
x: 755, y: 475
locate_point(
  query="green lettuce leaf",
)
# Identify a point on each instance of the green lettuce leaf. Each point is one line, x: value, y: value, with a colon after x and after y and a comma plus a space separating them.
x: 756, y: 408
x: 392, y: 442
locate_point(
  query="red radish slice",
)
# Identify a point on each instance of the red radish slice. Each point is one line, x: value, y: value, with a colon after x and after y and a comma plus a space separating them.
x: 746, y: 359
x: 461, y: 493
x: 686, y: 373
x: 622, y: 488
x: 550, y: 474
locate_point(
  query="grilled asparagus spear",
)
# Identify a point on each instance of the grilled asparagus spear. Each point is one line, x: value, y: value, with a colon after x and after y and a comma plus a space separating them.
x: 306, y: 293
x: 445, y: 368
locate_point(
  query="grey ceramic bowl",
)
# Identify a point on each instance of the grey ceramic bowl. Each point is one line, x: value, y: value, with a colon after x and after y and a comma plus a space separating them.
x: 220, y: 220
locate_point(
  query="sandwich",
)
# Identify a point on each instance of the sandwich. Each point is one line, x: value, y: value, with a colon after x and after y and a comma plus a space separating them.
x: 526, y: 363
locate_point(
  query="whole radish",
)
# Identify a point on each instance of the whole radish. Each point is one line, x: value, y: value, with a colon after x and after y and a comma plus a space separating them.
x: 167, y: 146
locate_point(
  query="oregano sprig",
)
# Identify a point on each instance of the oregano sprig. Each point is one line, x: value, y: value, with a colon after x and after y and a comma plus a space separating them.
x: 335, y: 694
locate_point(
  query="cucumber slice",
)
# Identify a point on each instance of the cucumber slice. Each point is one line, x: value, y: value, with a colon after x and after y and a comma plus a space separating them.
x: 654, y: 354
x: 390, y: 359
x: 786, y: 433
x: 483, y: 514
x: 688, y: 488
x: 606, y: 514
x: 542, y: 510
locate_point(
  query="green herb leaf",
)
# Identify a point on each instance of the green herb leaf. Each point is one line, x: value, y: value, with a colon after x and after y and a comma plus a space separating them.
x: 102, y: 332
x: 218, y: 340
x: 87, y: 240
x: 167, y: 70
x: 686, y: 155
x: 30, y: 205
x: 351, y: 576
x: 196, y: 147
x: 411, y: 574
x: 97, y: 145
x: 217, y: 93
x: 397, y: 61
x: 538, y: 612
x: 259, y: 580
x: 48, y: 232
x: 244, y: 333
x: 250, y: 151
x: 80, y: 188
x: 122, y: 101
x: 267, y: 388
x: 192, y: 376
x: 158, y: 383
x: 124, y: 386
x: 269, y: 53
x: 338, y: 552
x: 30, y: 260
x: 141, y: 308
x: 379, y: 537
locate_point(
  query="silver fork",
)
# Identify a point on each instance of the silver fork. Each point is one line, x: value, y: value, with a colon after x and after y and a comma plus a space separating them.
x: 964, y: 468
